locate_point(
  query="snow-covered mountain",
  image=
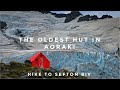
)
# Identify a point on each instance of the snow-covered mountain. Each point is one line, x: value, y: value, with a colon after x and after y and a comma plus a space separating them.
x: 106, y: 64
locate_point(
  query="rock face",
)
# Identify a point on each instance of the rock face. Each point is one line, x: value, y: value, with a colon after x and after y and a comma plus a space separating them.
x: 92, y: 17
x: 87, y: 18
x: 68, y: 17
x: 3, y: 25
x: 106, y: 16
x: 71, y: 16
x: 84, y: 18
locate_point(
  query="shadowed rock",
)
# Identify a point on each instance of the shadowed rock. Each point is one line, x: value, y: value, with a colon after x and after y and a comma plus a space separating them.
x: 71, y: 16
x: 19, y: 33
x: 3, y: 25
x: 84, y: 18
x: 106, y: 16
x: 87, y: 18
x: 45, y: 12
x: 94, y: 17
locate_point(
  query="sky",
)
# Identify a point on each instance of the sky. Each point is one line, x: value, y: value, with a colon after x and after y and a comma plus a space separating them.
x: 98, y: 13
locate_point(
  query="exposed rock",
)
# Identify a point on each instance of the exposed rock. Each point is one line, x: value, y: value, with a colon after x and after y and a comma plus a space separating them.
x: 88, y: 18
x: 74, y: 27
x: 106, y: 16
x: 118, y: 51
x: 71, y: 16
x: 94, y: 17
x: 45, y: 12
x: 3, y: 25
x: 84, y: 18
x: 19, y: 33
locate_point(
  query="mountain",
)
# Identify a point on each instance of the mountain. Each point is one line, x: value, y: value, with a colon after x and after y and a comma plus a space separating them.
x: 71, y: 16
x: 103, y: 64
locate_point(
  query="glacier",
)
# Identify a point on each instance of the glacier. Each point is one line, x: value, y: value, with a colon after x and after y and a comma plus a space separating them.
x: 100, y: 59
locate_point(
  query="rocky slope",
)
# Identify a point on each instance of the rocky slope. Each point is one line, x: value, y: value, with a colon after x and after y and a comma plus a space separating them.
x: 104, y: 64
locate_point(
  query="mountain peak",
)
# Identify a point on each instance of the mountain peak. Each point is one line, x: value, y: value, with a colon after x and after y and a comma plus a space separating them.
x: 72, y: 15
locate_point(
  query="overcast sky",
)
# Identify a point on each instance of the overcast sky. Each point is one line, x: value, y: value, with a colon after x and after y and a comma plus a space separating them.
x: 98, y: 13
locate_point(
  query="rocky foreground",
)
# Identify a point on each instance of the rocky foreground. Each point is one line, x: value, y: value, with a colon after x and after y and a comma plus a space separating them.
x: 15, y: 70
